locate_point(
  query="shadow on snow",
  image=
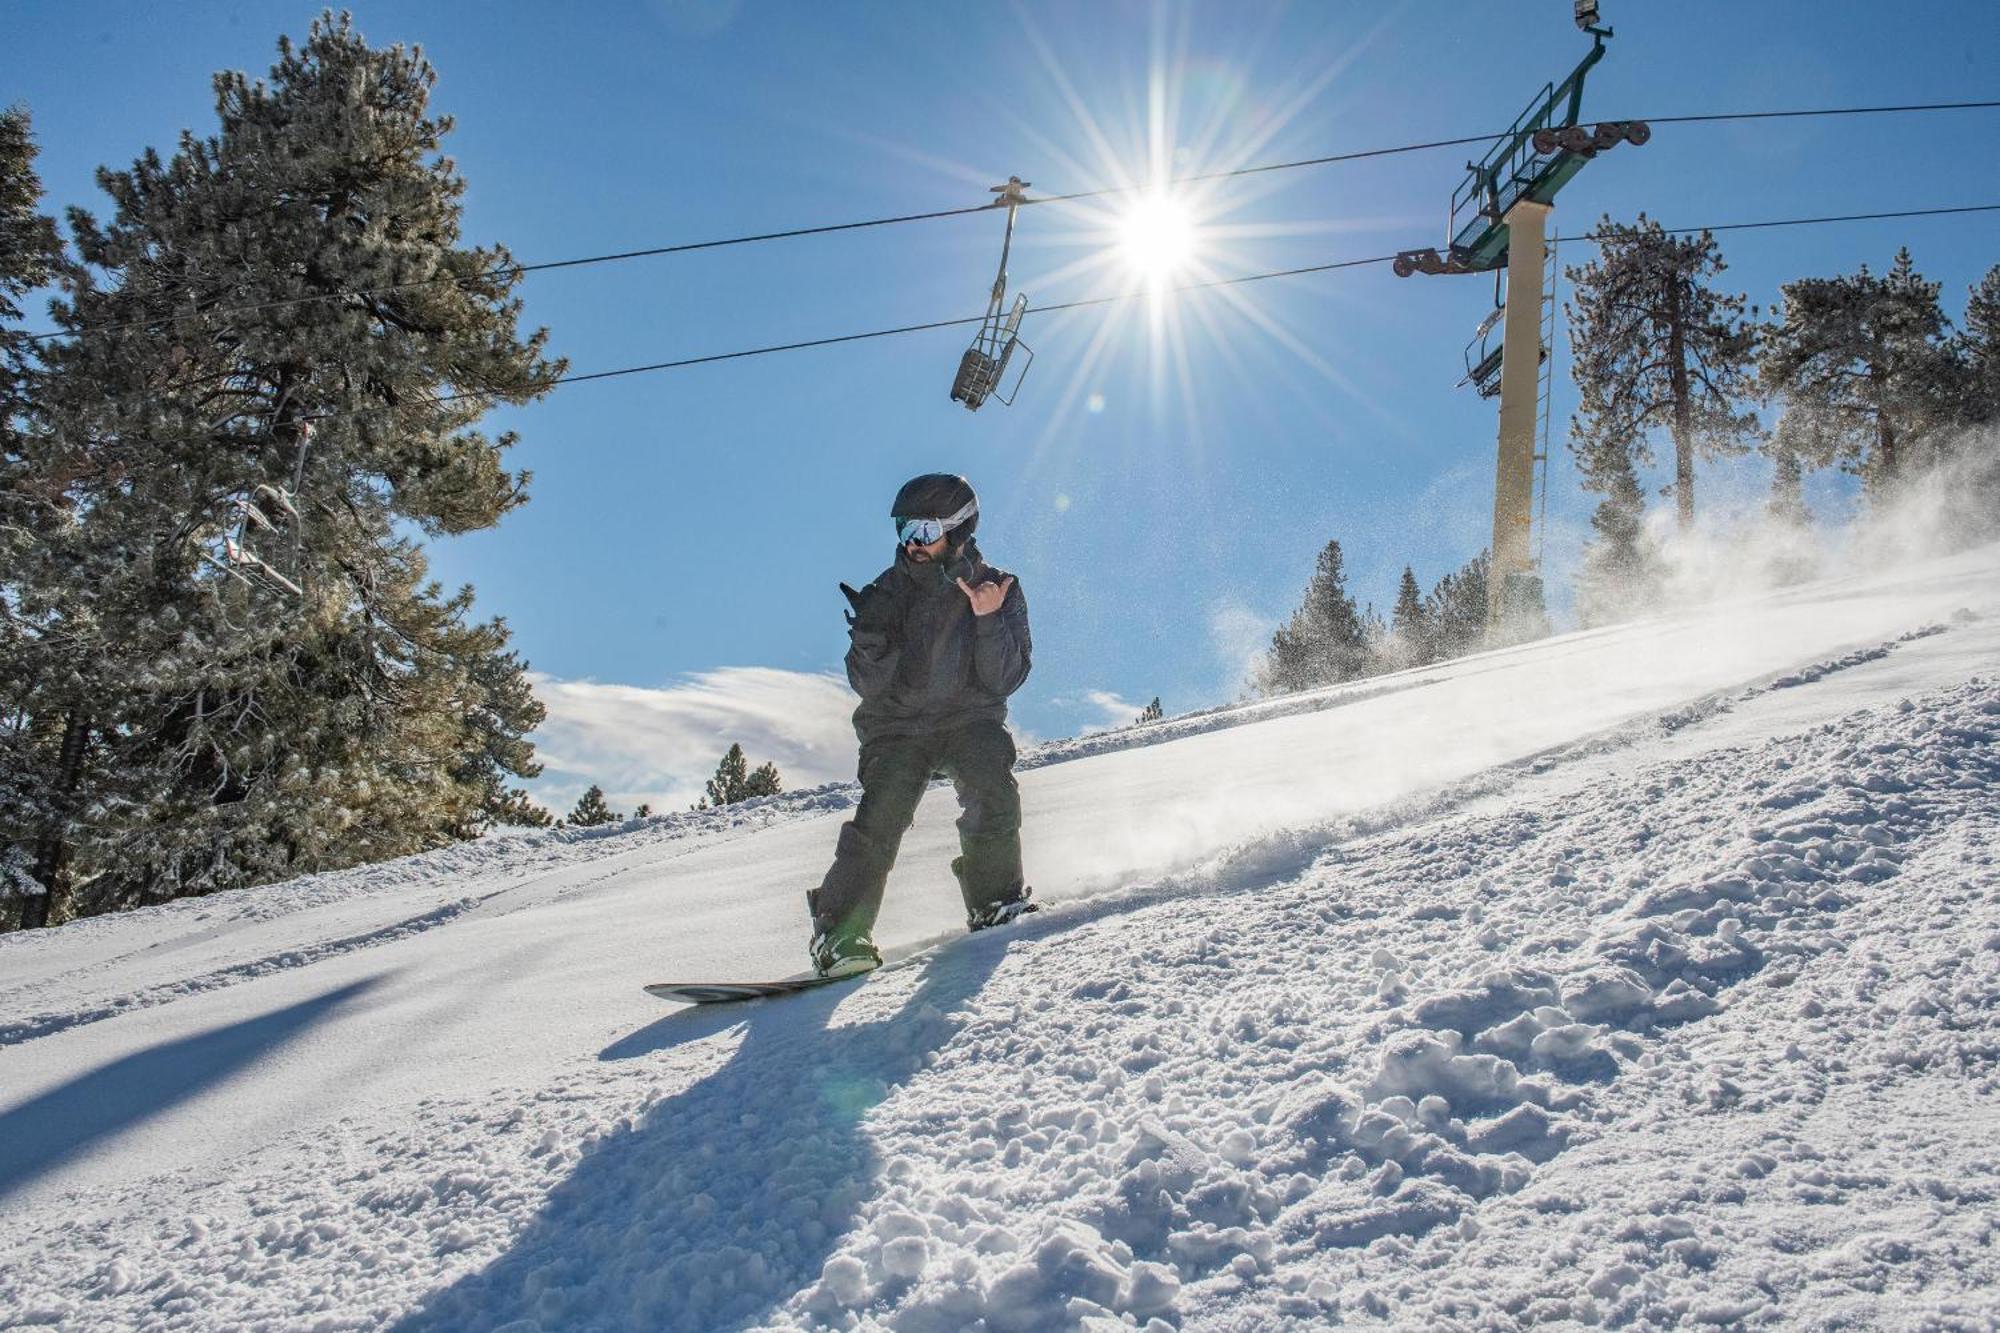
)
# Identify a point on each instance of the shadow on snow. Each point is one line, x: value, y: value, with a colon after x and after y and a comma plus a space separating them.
x: 43, y: 1133
x: 727, y: 1198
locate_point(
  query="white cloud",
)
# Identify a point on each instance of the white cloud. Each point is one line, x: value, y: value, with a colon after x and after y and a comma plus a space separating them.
x: 1112, y: 709
x: 661, y: 744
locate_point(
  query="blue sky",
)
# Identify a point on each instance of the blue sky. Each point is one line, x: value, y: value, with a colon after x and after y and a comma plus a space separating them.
x: 1171, y: 469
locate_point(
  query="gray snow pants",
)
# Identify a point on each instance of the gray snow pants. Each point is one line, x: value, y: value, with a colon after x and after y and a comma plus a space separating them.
x: 979, y: 759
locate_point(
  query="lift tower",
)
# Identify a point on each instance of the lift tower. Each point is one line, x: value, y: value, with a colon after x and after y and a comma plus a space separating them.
x: 1498, y: 219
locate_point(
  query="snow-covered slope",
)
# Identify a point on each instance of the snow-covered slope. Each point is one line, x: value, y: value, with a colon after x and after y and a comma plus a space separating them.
x: 1641, y: 976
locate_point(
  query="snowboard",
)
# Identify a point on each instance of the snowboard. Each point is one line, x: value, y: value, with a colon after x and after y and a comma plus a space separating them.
x: 728, y: 992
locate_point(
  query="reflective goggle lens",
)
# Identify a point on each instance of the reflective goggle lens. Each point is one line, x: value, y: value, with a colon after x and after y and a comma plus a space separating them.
x: 928, y: 530
x: 923, y: 531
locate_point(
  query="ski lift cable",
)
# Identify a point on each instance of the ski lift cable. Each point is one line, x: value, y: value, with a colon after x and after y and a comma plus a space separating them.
x: 1087, y: 302
x: 1804, y: 222
x: 688, y: 247
x: 1490, y: 138
x: 1137, y: 293
x: 1821, y: 111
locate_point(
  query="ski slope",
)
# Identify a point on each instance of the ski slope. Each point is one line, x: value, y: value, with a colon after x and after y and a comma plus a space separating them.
x: 1644, y: 976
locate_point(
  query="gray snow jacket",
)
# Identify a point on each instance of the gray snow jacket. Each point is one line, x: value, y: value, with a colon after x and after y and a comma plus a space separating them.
x: 921, y: 660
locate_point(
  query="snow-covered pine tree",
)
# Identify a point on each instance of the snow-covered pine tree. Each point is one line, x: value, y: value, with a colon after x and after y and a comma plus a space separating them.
x: 1457, y: 610
x: 42, y: 654
x: 591, y: 810
x: 1979, y: 350
x: 1864, y: 371
x: 1152, y: 712
x: 1375, y: 638
x: 495, y: 679
x: 1412, y: 636
x: 1621, y: 569
x: 31, y: 256
x: 1787, y: 504
x: 280, y: 337
x: 1324, y: 641
x: 1653, y: 345
x: 517, y: 808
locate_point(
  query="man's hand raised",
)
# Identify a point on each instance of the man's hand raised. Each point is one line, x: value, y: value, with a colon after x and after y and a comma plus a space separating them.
x: 986, y: 597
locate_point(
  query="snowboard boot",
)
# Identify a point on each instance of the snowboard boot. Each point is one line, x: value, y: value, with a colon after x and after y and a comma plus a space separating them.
x: 844, y: 953
x: 999, y: 914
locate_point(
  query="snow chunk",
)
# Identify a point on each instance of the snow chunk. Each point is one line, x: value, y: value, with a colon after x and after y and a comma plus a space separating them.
x: 845, y: 1279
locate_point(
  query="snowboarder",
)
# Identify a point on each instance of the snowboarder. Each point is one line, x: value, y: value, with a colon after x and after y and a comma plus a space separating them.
x: 937, y: 643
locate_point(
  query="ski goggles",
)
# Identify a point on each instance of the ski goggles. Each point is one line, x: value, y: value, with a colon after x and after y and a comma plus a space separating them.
x: 924, y: 531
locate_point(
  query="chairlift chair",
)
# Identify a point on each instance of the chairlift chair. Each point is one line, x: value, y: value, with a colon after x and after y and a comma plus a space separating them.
x: 985, y: 363
x: 238, y: 560
x: 254, y: 509
x: 1483, y: 356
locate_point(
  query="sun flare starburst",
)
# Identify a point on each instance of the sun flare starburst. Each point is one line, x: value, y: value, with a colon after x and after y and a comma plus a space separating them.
x: 1142, y: 268
x: 1157, y: 237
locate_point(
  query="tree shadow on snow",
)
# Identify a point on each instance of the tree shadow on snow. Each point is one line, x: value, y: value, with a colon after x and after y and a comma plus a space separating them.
x: 727, y: 1198
x: 44, y: 1132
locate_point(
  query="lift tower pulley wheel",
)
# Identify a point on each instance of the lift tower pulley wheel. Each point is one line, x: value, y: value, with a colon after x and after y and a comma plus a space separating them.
x: 1547, y: 144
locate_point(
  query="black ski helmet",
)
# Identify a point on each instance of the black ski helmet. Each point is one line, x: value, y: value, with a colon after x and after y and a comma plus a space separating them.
x: 938, y: 495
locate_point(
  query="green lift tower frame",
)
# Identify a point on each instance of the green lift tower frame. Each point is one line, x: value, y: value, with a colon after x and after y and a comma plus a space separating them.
x: 1498, y: 219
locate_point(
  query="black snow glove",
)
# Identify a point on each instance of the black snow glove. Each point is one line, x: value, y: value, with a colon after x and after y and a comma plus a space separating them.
x: 873, y: 628
x: 875, y: 611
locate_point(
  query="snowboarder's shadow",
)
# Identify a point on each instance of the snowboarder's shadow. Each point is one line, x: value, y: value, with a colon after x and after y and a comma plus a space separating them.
x: 46, y: 1132
x: 728, y: 1197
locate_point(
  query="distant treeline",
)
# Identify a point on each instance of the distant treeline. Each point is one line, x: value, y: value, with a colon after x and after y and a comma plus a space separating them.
x: 1864, y: 372
x: 1330, y: 639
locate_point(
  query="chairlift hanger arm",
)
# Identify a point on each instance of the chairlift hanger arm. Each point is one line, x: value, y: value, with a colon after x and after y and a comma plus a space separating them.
x: 1573, y: 85
x: 1011, y: 199
x: 984, y: 364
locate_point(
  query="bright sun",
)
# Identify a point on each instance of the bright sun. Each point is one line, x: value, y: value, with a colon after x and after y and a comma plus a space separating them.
x: 1157, y: 237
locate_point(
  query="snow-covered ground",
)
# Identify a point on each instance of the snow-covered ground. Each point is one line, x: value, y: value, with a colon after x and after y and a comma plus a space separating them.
x: 1639, y: 977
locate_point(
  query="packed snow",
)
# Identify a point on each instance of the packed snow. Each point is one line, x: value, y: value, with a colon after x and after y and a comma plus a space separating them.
x: 1640, y: 977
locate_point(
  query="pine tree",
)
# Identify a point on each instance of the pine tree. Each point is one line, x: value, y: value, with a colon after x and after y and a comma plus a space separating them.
x: 288, y: 345
x: 591, y: 811
x: 1655, y: 346
x: 1621, y: 571
x: 733, y: 781
x: 1150, y: 713
x: 1862, y: 367
x: 1375, y: 643
x: 519, y: 809
x: 45, y: 655
x: 763, y: 781
x: 1324, y: 641
x: 645, y: 811
x: 1787, y: 504
x: 727, y: 784
x: 1979, y: 351
x: 1457, y: 610
x: 1412, y: 636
